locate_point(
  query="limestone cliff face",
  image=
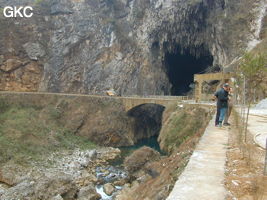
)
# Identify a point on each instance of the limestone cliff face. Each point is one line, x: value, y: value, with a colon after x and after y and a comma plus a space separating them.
x: 88, y: 46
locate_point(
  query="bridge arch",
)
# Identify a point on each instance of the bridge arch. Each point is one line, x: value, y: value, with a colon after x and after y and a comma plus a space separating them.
x: 131, y: 102
x: 153, y: 105
x: 147, y: 120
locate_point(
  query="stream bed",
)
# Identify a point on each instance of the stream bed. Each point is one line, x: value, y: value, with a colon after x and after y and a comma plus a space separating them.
x: 115, y: 173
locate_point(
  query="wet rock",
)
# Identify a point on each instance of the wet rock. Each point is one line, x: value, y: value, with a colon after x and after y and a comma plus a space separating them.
x: 109, y: 189
x: 120, y: 182
x: 110, y: 174
x: 139, y: 158
x: 88, y: 193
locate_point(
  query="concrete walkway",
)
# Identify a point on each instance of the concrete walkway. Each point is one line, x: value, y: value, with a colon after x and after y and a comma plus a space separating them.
x: 203, y: 177
x: 257, y: 125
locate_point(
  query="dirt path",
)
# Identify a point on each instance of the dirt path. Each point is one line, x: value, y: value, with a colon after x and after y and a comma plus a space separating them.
x: 245, y: 160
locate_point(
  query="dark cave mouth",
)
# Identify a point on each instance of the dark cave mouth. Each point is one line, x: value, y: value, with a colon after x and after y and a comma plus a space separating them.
x: 147, y: 123
x: 181, y: 65
x: 147, y: 120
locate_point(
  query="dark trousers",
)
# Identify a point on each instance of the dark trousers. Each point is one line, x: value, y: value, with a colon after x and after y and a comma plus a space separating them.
x: 217, y: 115
x: 223, y: 111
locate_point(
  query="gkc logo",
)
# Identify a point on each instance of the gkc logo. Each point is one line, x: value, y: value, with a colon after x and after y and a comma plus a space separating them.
x: 13, y: 11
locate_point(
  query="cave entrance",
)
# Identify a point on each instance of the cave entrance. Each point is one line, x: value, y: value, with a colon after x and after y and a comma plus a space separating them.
x: 182, y: 65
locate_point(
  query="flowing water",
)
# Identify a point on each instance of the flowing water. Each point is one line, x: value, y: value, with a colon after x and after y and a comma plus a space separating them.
x: 109, y: 174
x: 115, y: 171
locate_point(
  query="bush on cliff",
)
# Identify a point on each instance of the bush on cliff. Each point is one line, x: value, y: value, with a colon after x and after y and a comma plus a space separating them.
x: 181, y: 124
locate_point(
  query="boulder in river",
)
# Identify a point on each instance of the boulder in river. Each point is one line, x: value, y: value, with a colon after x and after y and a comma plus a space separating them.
x: 139, y: 158
x: 109, y: 189
x: 88, y: 193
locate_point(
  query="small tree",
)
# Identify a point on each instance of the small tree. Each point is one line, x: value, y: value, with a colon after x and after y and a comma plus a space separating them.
x: 252, y: 72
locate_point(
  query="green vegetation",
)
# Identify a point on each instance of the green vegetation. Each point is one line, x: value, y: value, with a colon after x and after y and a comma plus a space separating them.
x: 179, y: 131
x: 28, y: 133
x: 251, y: 77
x: 182, y: 124
x: 3, y: 105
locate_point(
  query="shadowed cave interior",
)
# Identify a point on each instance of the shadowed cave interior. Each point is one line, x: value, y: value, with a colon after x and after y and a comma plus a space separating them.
x: 147, y: 120
x: 181, y: 67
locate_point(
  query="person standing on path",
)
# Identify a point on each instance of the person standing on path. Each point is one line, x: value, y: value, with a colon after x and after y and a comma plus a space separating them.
x: 218, y: 109
x: 222, y: 103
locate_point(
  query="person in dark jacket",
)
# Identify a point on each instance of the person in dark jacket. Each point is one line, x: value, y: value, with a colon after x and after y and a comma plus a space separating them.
x: 218, y: 109
x: 222, y: 103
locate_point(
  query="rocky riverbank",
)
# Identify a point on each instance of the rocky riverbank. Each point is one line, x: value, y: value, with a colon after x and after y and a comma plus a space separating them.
x: 47, y: 151
x: 64, y: 175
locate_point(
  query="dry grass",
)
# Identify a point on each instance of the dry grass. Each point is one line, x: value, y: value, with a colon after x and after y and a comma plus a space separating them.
x: 29, y: 133
x: 244, y: 167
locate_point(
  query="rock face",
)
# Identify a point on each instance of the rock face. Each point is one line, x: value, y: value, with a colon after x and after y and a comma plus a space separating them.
x: 139, y: 158
x: 87, y: 46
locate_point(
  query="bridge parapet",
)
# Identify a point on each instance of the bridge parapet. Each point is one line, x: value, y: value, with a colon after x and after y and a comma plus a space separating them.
x: 128, y: 101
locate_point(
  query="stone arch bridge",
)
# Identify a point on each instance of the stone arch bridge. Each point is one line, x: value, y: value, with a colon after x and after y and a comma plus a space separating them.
x: 129, y: 102
x: 133, y: 101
